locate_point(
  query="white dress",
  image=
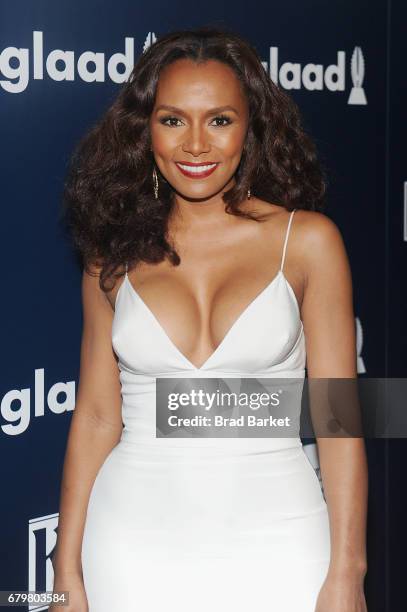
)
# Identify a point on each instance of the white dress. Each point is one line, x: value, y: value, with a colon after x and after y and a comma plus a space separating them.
x: 205, y: 524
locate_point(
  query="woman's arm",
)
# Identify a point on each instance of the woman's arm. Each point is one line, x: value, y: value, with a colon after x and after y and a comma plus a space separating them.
x: 96, y: 424
x: 329, y: 326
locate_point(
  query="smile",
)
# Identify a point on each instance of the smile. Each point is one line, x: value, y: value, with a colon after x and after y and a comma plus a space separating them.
x: 196, y: 170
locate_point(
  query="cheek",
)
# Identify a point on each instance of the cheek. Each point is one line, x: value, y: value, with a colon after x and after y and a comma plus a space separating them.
x: 162, y: 141
x: 231, y: 143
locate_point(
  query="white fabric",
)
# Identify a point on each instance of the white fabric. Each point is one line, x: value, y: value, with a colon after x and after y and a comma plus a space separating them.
x: 216, y: 525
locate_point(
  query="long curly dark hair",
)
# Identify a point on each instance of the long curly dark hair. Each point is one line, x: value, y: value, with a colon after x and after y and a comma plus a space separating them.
x: 108, y: 201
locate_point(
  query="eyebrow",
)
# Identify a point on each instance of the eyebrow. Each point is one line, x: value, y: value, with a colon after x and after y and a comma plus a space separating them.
x: 212, y: 111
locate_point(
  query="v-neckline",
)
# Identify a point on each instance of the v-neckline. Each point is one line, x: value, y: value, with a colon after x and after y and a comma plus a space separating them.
x: 225, y: 338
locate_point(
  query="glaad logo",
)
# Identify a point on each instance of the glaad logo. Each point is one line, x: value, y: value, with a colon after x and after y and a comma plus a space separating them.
x: 42, y: 538
x: 18, y: 419
x: 292, y: 75
x: 60, y: 65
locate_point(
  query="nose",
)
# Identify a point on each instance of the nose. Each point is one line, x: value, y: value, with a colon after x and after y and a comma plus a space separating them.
x: 196, y: 141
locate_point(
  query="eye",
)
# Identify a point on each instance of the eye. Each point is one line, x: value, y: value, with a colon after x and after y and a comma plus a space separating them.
x: 171, y: 119
x: 222, y: 118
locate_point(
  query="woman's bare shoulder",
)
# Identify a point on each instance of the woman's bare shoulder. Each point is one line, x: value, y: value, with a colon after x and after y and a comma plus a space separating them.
x: 315, y: 246
x: 320, y: 249
x: 316, y: 233
x: 309, y: 228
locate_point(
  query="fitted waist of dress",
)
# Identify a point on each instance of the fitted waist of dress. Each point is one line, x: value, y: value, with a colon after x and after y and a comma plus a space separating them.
x: 140, y: 432
x: 139, y: 436
x: 162, y: 448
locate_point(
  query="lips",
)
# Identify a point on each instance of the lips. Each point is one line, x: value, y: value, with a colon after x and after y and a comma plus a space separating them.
x: 197, y: 171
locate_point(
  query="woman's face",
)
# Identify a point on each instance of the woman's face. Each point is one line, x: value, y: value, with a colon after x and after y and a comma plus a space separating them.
x: 198, y: 127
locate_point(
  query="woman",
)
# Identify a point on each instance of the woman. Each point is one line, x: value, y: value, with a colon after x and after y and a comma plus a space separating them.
x: 244, y: 290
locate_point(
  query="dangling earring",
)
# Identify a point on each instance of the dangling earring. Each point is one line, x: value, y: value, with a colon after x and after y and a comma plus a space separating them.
x: 155, y: 182
x: 249, y: 195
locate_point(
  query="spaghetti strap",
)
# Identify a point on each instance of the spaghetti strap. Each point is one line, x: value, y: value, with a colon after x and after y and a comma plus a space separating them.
x: 286, y: 238
x: 127, y: 267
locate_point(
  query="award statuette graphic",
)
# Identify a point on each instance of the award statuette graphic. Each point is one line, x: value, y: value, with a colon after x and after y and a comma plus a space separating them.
x: 361, y: 368
x: 150, y: 39
x: 357, y: 69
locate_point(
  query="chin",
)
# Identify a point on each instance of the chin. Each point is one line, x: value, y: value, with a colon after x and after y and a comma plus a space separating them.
x: 199, y: 195
x: 196, y: 191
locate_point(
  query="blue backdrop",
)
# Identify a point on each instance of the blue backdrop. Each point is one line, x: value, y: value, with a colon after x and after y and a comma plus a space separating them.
x: 343, y: 62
